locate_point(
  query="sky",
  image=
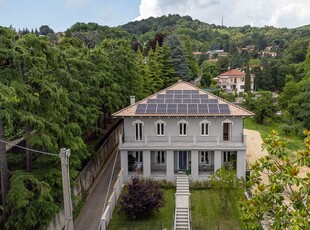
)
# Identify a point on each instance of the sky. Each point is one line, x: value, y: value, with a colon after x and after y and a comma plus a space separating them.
x: 61, y: 14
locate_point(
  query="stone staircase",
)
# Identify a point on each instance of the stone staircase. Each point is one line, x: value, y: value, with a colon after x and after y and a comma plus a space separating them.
x: 182, y: 211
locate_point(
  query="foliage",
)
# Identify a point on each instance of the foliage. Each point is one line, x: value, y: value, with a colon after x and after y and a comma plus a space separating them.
x: 228, y: 185
x: 166, y: 184
x: 200, y: 185
x: 208, y: 72
x: 247, y: 81
x: 142, y: 198
x: 160, y: 220
x: 30, y: 202
x: 282, y: 199
x: 178, y: 58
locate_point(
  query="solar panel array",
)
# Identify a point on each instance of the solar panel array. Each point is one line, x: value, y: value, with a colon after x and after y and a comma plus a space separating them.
x: 182, y: 102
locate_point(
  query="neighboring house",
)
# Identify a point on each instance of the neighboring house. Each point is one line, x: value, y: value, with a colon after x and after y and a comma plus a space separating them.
x: 219, y: 53
x: 267, y: 52
x: 233, y: 80
x: 182, y: 129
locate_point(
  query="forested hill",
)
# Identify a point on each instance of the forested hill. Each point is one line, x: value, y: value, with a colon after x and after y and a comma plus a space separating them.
x: 210, y: 36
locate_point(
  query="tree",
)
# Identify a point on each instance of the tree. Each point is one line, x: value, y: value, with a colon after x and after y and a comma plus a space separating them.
x: 30, y: 202
x: 282, y: 199
x: 208, y: 72
x: 45, y: 30
x: 228, y: 185
x: 247, y: 81
x: 178, y: 58
x: 142, y: 198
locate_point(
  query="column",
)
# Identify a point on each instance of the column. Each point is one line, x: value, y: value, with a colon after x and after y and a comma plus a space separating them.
x: 217, y: 160
x: 124, y: 163
x: 147, y: 163
x: 194, y: 165
x: 170, y: 165
x: 241, y: 163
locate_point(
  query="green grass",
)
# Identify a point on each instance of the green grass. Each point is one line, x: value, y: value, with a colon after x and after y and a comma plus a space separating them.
x: 294, y: 142
x: 159, y: 220
x: 206, y: 212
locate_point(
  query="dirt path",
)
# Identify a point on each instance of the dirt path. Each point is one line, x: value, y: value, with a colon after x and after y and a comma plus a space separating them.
x: 254, y: 149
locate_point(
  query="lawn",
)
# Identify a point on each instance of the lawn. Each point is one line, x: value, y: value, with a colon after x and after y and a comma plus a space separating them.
x: 159, y: 220
x: 206, y: 212
x: 295, y: 142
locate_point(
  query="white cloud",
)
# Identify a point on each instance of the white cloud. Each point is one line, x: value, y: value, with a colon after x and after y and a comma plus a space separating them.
x: 280, y: 13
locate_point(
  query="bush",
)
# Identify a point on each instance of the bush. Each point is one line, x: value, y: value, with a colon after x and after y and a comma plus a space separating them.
x: 201, y: 185
x: 166, y: 184
x: 142, y: 198
x: 286, y: 128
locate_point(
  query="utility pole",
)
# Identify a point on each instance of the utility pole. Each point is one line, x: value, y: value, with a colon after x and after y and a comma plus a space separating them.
x: 64, y: 156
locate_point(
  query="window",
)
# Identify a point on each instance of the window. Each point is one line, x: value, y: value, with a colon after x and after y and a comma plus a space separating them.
x: 182, y: 127
x: 204, y: 127
x: 227, y: 129
x: 229, y: 156
x: 160, y: 128
x: 138, y: 155
x: 241, y: 86
x: 205, y: 157
x: 138, y: 130
x: 160, y: 157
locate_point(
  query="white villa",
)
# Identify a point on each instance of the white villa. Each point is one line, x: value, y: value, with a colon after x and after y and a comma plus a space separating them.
x: 182, y: 129
x: 233, y: 80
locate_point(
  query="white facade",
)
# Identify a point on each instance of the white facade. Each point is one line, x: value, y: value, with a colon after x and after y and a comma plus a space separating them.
x: 197, y: 141
x: 234, y: 80
x: 196, y: 151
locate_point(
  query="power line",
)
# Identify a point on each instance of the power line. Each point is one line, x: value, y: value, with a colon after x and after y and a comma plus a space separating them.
x: 32, y: 150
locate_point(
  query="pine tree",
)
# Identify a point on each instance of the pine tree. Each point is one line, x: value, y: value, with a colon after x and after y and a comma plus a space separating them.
x: 178, y: 58
x: 247, y: 81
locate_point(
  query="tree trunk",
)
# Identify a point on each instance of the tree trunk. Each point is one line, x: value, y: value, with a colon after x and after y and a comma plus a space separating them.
x: 4, y: 169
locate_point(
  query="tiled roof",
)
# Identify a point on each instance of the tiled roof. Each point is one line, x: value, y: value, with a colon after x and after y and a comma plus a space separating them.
x: 234, y: 73
x: 234, y: 110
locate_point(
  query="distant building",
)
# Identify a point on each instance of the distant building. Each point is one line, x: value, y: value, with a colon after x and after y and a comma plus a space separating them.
x: 219, y: 53
x: 233, y: 80
x: 267, y: 52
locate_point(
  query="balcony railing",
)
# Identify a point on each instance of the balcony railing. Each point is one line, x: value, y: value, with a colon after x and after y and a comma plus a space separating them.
x: 194, y: 139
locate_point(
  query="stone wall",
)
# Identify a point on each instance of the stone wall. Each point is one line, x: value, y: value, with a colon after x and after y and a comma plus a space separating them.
x: 89, y: 173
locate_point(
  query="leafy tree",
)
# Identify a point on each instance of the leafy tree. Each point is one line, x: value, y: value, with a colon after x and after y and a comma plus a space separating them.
x: 229, y: 186
x: 45, y: 30
x: 208, y: 72
x: 178, y: 58
x: 282, y: 199
x: 247, y: 80
x: 30, y: 202
x: 142, y: 198
x: 290, y: 90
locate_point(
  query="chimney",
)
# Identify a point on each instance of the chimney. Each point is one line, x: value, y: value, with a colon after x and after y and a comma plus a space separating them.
x: 132, y: 100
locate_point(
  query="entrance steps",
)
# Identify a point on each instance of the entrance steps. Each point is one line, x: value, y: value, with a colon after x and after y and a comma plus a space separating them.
x: 182, y: 208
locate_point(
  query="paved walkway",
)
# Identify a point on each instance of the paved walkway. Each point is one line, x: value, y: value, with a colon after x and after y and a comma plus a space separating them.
x: 90, y: 215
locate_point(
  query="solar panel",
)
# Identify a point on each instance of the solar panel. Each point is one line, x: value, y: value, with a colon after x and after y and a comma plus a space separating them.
x: 203, y: 96
x: 169, y: 100
x: 195, y: 100
x: 213, y: 101
x: 182, y: 108
x: 182, y: 102
x: 187, y: 101
x: 214, y: 111
x: 223, y: 106
x: 151, y: 101
x: 141, y: 108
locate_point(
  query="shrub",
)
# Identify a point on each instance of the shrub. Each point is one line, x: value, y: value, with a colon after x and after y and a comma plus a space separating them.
x: 286, y: 128
x: 166, y: 184
x: 142, y: 198
x: 201, y: 185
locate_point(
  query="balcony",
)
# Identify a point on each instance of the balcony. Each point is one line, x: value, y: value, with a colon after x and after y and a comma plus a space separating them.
x: 170, y: 141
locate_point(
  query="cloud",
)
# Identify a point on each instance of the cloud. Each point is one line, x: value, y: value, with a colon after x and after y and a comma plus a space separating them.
x: 280, y: 13
x: 75, y: 3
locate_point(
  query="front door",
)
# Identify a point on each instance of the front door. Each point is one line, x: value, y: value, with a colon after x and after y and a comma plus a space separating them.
x: 182, y: 160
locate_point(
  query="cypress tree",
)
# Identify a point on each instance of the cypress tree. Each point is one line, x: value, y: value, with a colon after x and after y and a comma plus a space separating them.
x: 247, y: 81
